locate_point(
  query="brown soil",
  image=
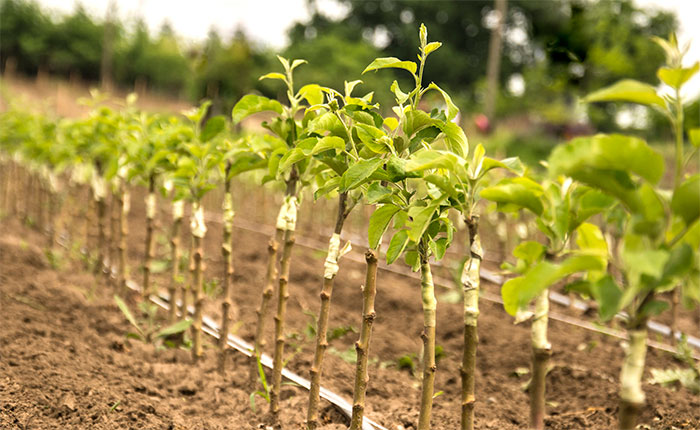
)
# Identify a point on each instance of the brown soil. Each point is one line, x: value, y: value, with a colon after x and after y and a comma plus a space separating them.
x: 65, y: 361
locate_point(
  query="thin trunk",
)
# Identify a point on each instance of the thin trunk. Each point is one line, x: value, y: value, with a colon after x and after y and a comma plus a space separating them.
x: 228, y: 272
x: 199, y: 230
x: 88, y: 223
x: 330, y: 272
x: 175, y: 259
x: 17, y: 174
x: 124, y: 207
x: 113, y: 237
x: 675, y: 307
x: 27, y: 194
x: 40, y: 198
x: 150, y: 226
x: 4, y: 171
x: 429, y: 323
x: 541, y: 351
x: 185, y: 286
x: 494, y: 60
x: 264, y: 309
x: 369, y: 292
x: 101, y: 233
x: 631, y: 394
x: 471, y: 276
x: 99, y: 187
x: 289, y: 221
x: 52, y: 218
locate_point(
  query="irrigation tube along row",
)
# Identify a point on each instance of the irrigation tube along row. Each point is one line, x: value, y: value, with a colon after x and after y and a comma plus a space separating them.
x: 495, y: 279
x: 211, y: 327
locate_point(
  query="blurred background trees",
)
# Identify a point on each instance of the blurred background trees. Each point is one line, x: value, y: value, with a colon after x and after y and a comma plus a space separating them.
x: 552, y: 52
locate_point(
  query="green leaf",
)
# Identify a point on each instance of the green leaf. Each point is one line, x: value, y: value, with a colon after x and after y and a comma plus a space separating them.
x: 431, y: 159
x: 694, y: 136
x: 349, y: 86
x: 417, y: 120
x: 521, y: 192
x: 376, y: 192
x: 401, y: 97
x: 452, y: 109
x: 212, y: 128
x: 654, y: 308
x: 369, y: 134
x: 686, y: 200
x: 312, y: 93
x: 443, y: 183
x: 328, y: 142
x: 644, y: 261
x: 379, y: 222
x: 529, y: 251
x: 327, y: 187
x: 420, y: 219
x: 251, y: 104
x: 178, y: 327
x: 411, y: 258
x: 608, y: 152
x: 590, y: 239
x: 630, y: 91
x: 391, y: 63
x: 592, y: 202
x: 127, y: 313
x: 675, y: 78
x: 608, y: 295
x: 396, y: 169
x: 518, y: 292
x: 358, y: 173
x: 438, y: 247
x: 325, y: 123
x: 295, y: 155
x: 432, y: 46
x: 679, y: 263
x: 512, y: 164
x: 396, y: 246
x: 455, y: 138
x: 273, y: 75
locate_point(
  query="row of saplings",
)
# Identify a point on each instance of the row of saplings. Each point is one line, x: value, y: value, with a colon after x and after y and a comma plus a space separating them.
x: 415, y: 167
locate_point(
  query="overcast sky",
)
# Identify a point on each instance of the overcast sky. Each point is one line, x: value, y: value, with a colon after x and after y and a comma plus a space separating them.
x: 266, y: 21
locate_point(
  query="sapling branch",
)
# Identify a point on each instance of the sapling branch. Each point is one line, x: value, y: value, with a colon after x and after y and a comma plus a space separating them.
x: 429, y: 324
x: 113, y: 233
x: 470, y: 284
x: 631, y: 393
x: 187, y: 286
x: 100, y: 194
x: 369, y: 292
x: 541, y: 351
x: 330, y: 272
x: 178, y: 214
x: 282, y: 297
x: 124, y: 202
x: 228, y: 270
x: 150, y: 227
x: 199, y: 230
x: 264, y: 308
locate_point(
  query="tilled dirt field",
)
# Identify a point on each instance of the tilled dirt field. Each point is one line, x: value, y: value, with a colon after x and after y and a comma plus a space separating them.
x: 65, y: 361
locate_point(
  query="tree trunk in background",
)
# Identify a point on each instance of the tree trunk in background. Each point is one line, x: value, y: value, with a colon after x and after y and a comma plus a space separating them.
x: 493, y: 67
x: 108, y: 47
